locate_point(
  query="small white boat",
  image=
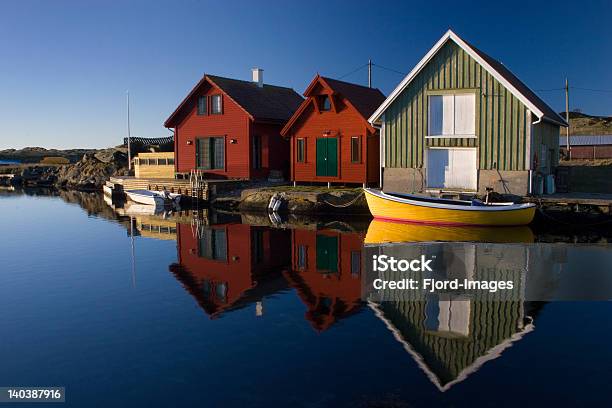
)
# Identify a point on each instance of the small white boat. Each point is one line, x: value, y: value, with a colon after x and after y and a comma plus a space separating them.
x: 154, y: 198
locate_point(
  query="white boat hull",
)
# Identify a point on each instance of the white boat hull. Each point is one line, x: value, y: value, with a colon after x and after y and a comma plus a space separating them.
x: 153, y: 198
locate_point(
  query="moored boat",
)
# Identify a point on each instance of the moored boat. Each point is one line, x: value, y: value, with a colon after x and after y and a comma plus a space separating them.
x: 154, y: 198
x: 440, y: 211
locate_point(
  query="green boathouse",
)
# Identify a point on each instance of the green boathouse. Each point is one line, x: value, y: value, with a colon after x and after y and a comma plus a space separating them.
x: 461, y: 121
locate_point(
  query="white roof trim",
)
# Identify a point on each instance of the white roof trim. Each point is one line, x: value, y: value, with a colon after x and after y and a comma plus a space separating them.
x: 451, y: 35
x: 489, y: 355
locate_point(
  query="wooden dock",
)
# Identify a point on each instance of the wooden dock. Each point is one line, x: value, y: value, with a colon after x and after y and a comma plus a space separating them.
x: 202, y: 190
x: 574, y: 201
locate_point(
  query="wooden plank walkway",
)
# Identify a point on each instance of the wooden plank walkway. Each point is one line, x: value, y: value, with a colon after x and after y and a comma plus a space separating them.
x: 178, y: 186
x: 601, y: 200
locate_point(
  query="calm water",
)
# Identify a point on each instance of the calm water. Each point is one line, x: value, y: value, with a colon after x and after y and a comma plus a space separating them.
x: 234, y: 314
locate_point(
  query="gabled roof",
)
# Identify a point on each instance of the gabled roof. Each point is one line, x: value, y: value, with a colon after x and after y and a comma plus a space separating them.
x: 494, y: 67
x: 267, y: 103
x: 364, y: 99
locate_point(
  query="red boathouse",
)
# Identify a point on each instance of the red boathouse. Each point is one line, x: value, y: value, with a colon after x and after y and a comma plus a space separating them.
x: 229, y: 128
x: 331, y: 139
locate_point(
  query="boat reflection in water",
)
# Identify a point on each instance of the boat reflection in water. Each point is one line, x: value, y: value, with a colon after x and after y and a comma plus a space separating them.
x: 326, y: 269
x: 229, y: 266
x: 449, y: 335
x: 381, y: 232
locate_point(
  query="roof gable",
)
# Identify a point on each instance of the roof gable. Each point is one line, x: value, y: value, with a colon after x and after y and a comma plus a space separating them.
x: 266, y: 103
x: 363, y: 99
x: 494, y: 67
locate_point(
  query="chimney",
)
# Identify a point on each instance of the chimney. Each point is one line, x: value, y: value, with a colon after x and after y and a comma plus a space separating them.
x: 258, y: 76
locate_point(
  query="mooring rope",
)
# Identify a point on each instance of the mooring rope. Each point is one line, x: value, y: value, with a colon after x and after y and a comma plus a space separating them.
x: 346, y: 204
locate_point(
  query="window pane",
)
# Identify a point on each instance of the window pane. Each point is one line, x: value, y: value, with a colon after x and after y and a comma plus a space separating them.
x: 213, y: 244
x: 203, y: 153
x: 220, y: 245
x: 448, y: 115
x: 216, y: 104
x: 435, y: 115
x: 256, y: 156
x: 325, y: 103
x: 163, y: 162
x: 355, y: 150
x: 171, y: 161
x: 221, y: 291
x: 301, y: 156
x: 465, y: 108
x: 202, y: 105
x: 219, y: 153
x: 302, y: 257
x: 355, y: 263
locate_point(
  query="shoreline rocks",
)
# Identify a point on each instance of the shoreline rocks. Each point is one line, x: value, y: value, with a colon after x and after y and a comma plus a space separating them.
x: 88, y: 174
x: 93, y: 170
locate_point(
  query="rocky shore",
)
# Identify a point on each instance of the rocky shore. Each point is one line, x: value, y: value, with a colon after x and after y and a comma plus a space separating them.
x: 87, y: 174
x: 296, y: 200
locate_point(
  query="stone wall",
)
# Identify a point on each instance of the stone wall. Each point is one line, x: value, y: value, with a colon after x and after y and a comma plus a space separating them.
x: 403, y: 180
x: 504, y: 182
x: 409, y: 180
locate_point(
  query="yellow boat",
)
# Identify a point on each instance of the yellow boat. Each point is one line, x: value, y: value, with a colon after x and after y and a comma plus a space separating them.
x: 383, y: 232
x: 440, y: 211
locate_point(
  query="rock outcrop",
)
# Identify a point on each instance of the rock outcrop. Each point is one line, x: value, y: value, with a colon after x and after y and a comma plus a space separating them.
x: 93, y: 170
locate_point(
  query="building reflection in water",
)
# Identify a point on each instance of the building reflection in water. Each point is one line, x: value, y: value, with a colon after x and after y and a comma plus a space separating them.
x: 450, y: 336
x: 326, y: 271
x: 229, y: 266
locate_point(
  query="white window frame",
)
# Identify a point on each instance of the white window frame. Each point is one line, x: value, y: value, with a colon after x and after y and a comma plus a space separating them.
x: 450, y: 135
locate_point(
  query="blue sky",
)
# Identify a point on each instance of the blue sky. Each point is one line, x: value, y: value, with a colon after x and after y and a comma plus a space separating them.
x: 65, y: 66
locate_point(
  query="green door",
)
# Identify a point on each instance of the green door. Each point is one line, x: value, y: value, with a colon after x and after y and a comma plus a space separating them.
x: 327, y: 157
x: 327, y: 253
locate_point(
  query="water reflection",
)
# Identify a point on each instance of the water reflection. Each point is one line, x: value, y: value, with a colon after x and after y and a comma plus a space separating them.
x: 229, y: 266
x: 326, y: 271
x: 294, y: 294
x: 451, y: 338
x: 380, y: 232
x: 229, y: 262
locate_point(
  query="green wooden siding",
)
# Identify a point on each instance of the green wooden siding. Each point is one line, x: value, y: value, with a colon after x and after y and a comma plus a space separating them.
x: 491, y: 323
x: 547, y: 134
x: 501, y: 119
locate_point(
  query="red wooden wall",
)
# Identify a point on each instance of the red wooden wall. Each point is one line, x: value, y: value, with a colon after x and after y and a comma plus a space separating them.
x: 275, y: 154
x: 234, y: 124
x: 328, y: 296
x: 343, y: 124
x: 238, y: 129
x: 240, y: 271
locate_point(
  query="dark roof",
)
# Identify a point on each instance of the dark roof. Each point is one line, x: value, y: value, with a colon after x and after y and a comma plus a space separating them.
x: 548, y: 112
x: 274, y: 103
x: 366, y: 100
x: 587, y: 140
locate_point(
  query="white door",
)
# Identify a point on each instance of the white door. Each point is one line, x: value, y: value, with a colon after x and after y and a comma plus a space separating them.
x: 452, y: 168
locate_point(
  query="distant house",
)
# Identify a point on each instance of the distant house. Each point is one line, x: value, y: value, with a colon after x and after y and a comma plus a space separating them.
x: 587, y: 147
x: 331, y: 139
x: 229, y: 128
x: 461, y: 121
